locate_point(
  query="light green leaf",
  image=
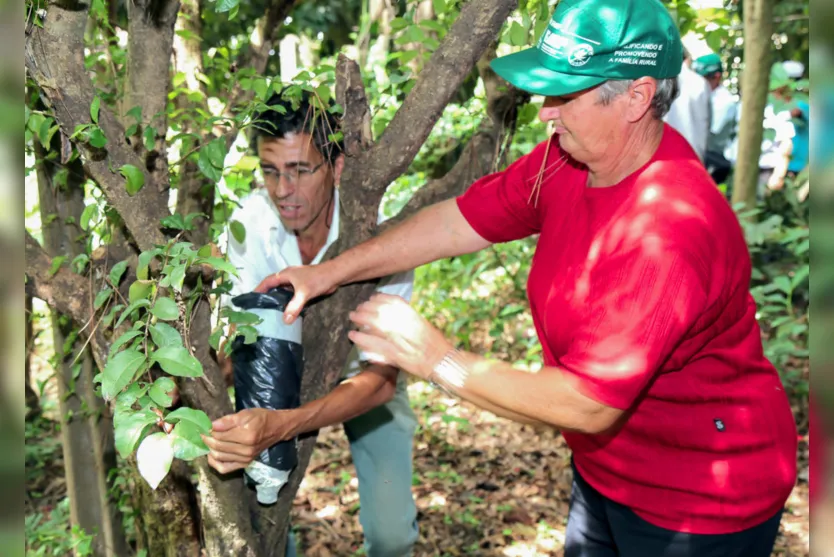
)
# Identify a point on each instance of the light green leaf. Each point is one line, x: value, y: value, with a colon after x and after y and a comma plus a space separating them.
x: 225, y: 5
x: 177, y: 361
x: 97, y: 138
x: 119, y: 372
x: 117, y: 271
x: 102, y: 297
x: 800, y: 276
x: 94, y: 108
x: 131, y: 308
x: 56, y: 264
x: 136, y: 113
x: 783, y: 283
x: 149, y: 136
x: 154, y: 458
x: 197, y: 417
x: 208, y: 169
x: 174, y: 221
x: 439, y: 6
x: 260, y: 86
x: 122, y: 340
x: 518, y: 35
x: 165, y: 335
x: 220, y: 264
x: 159, y: 392
x: 238, y: 231
x: 135, y: 178
x: 140, y: 290
x: 166, y: 309
x: 112, y: 315
x: 214, y: 339
x: 90, y: 212
x: 79, y: 262
x: 129, y: 428
x: 188, y: 444
x: 178, y: 277
x: 133, y: 393
x: 248, y: 332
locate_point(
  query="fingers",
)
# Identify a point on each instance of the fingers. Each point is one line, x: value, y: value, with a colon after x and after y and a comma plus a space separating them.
x: 231, y: 451
x: 295, y: 306
x: 377, y: 347
x: 225, y: 423
x: 271, y: 282
x: 224, y: 467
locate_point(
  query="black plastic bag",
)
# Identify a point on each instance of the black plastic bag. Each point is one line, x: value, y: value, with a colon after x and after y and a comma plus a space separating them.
x: 267, y: 374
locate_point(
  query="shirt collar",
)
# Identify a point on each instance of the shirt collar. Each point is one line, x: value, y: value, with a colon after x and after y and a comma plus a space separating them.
x: 287, y: 243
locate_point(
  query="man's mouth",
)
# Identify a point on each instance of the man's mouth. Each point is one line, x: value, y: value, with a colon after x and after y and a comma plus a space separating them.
x: 289, y: 210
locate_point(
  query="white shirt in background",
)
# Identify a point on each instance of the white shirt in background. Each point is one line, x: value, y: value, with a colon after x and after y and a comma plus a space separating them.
x: 690, y: 112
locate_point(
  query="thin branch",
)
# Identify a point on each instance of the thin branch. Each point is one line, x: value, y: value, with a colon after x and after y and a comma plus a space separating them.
x: 350, y: 93
x: 476, y: 27
x: 54, y: 60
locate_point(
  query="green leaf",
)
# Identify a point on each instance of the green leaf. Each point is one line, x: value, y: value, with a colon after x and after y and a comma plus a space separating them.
x: 174, y: 221
x: 94, y: 108
x: 140, y: 290
x: 102, y: 297
x: 165, y: 335
x: 144, y: 261
x: 196, y: 417
x: 129, y: 428
x: 188, y: 444
x: 133, y: 393
x: 56, y: 264
x: 149, y: 136
x: 248, y: 332
x: 208, y: 169
x: 238, y: 231
x: 178, y: 277
x: 97, y: 138
x: 136, y: 113
x: 122, y: 340
x: 240, y: 317
x: 225, y: 5
x: 112, y: 315
x: 131, y: 308
x: 214, y: 339
x: 90, y: 212
x: 135, y: 178
x: 176, y: 360
x: 439, y: 6
x: 783, y: 283
x: 517, y: 34
x: 117, y: 271
x: 220, y: 264
x: 80, y: 262
x: 154, y: 458
x: 800, y: 276
x: 166, y: 309
x: 120, y: 371
x: 159, y: 392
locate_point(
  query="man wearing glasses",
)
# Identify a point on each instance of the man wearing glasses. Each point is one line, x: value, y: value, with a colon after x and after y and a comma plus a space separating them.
x: 292, y: 221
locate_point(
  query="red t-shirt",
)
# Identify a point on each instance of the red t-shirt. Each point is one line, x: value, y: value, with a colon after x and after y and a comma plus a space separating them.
x: 641, y: 290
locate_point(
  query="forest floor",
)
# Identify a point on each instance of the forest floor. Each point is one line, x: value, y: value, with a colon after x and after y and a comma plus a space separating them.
x: 483, y: 486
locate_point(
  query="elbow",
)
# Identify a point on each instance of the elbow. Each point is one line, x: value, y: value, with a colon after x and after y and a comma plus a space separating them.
x: 598, y: 421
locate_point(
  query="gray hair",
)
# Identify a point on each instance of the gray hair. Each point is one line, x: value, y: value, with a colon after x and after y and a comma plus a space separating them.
x: 667, y: 92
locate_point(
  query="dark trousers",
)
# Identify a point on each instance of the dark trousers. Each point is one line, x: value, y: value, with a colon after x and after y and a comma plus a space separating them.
x: 599, y: 527
x: 718, y: 167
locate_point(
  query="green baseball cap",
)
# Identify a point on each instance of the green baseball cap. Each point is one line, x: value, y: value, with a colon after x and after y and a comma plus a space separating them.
x: 707, y: 64
x: 588, y: 42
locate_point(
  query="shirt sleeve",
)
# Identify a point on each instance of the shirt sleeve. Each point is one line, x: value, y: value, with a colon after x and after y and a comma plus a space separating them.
x: 503, y: 206
x: 640, y: 303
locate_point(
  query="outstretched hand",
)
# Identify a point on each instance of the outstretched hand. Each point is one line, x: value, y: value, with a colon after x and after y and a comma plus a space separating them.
x: 393, y: 331
x: 308, y: 282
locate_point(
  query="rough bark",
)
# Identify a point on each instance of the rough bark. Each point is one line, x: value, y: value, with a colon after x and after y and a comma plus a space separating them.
x: 33, y: 405
x: 54, y: 57
x: 149, y: 47
x: 758, y: 25
x: 86, y: 429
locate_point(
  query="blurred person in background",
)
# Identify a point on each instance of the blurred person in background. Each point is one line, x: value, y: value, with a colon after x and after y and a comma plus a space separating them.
x: 725, y: 116
x: 690, y: 111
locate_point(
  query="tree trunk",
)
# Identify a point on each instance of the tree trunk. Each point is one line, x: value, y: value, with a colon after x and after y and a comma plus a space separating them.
x: 758, y: 28
x: 33, y: 405
x: 86, y: 428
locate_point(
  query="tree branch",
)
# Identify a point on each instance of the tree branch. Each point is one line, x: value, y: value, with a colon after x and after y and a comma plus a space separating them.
x: 475, y: 28
x: 55, y: 60
x: 356, y: 120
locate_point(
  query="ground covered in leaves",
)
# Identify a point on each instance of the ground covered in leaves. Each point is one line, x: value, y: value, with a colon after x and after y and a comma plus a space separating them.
x: 483, y: 485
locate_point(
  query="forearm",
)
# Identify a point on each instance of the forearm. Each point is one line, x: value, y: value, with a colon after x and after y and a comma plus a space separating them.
x: 549, y: 396
x: 436, y: 232
x: 351, y: 398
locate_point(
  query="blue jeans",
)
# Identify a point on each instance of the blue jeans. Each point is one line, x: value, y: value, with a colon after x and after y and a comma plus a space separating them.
x: 381, y: 446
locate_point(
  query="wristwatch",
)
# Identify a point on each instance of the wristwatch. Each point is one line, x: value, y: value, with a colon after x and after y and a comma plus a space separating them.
x: 450, y: 373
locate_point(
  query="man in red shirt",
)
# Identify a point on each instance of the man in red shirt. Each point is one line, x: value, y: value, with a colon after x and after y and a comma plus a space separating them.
x: 682, y: 435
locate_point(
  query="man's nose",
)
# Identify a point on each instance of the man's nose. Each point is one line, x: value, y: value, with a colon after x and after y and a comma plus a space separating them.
x: 283, y: 186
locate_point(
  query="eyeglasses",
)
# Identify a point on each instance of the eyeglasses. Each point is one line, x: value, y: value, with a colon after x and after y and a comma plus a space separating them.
x: 293, y: 176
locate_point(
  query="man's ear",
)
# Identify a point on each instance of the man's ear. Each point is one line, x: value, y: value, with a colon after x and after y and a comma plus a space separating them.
x: 338, y: 166
x: 641, y: 93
